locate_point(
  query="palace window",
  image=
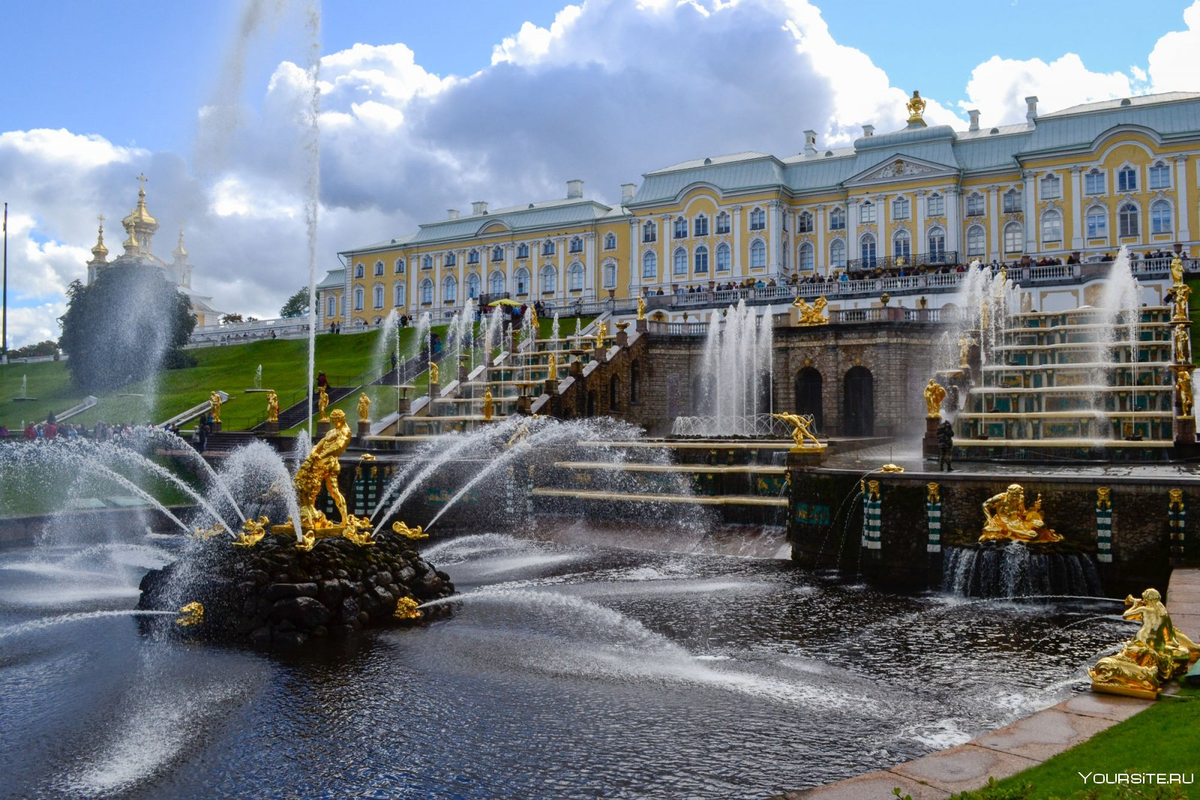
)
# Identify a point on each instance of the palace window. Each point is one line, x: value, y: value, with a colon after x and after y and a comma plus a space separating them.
x: 426, y: 291
x: 378, y: 293
x: 1014, y: 237
x: 723, y: 222
x: 837, y: 254
x: 473, y: 257
x: 700, y: 225
x: 866, y: 212
x: 1012, y: 198
x: 649, y: 266
x: 497, y: 254
x: 724, y: 263
x: 866, y: 251
x: 902, y: 246
x: 358, y: 298
x: 975, y: 241
x: 450, y: 289
x: 837, y: 219
x: 758, y: 220
x: 496, y: 283
x: 399, y: 266
x: 427, y: 262
x: 900, y: 208
x: 398, y: 295
x: 935, y: 206
x: 576, y: 245
x: 701, y: 259
x: 575, y: 277
x: 610, y: 275
x: 1097, y: 222
x: 1051, y: 187
x: 805, y: 260
x: 521, y: 281
x: 548, y: 278
x: 1127, y: 220
x: 1161, y: 218
x: 804, y: 224
x: 332, y: 307
x: 473, y: 286
x: 758, y: 255
x: 1051, y: 227
x: 610, y: 241
x: 1127, y: 179
x: 548, y: 247
x: 681, y: 228
x: 1160, y: 176
x: 359, y: 270
x: 1093, y: 182
x: 451, y: 260
x: 937, y: 245
x: 522, y: 250
x: 649, y: 232
x: 975, y: 205
x: 679, y: 259
x: 378, y: 269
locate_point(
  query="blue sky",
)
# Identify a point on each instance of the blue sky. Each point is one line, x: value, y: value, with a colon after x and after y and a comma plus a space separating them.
x: 432, y: 105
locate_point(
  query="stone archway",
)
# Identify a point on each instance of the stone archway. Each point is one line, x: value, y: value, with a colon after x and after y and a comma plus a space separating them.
x: 809, y: 384
x: 858, y: 409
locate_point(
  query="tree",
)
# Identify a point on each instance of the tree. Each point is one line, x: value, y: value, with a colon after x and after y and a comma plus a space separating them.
x: 230, y: 319
x: 296, y: 305
x: 124, y: 327
x: 46, y: 348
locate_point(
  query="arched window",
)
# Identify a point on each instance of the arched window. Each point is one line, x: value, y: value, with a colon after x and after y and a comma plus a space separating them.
x: 724, y: 263
x: 399, y: 266
x: 1160, y: 176
x: 451, y: 259
x: 936, y: 250
x: 902, y: 246
x: 496, y: 283
x: 473, y: 257
x: 866, y: 212
x: 398, y: 295
x: 1051, y: 226
x: 358, y: 298
x: 450, y: 289
x: 837, y: 254
x: 935, y: 205
x: 359, y: 270
x: 426, y: 291
x: 1097, y: 222
x: 758, y: 220
x: 786, y: 250
x: 548, y: 247
x: 575, y: 277
x: 610, y: 274
x: 649, y: 232
x: 900, y: 208
x: 521, y: 281
x: 1127, y: 179
x: 722, y: 223
x: 975, y: 241
x: 1127, y: 220
x: 548, y: 279
x: 1012, y: 199
x: 758, y: 254
x: 1051, y: 187
x: 473, y: 286
x: 1093, y: 182
x: 522, y: 250
x: 378, y: 292
x: 1161, y: 218
x: 649, y: 266
x: 701, y: 260
x: 679, y: 261
x: 332, y: 306
x: 866, y: 251
x: 837, y: 219
x: 378, y: 269
x: 975, y: 205
x: 576, y: 245
x: 700, y: 225
x: 681, y: 228
x: 497, y: 253
x: 427, y: 262
x: 610, y: 241
x: 1014, y: 237
x: 804, y: 224
x: 806, y: 258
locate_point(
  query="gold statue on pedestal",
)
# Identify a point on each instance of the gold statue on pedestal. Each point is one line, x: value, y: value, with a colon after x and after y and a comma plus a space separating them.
x: 814, y: 314
x: 214, y: 405
x: 433, y: 374
x: 601, y: 334
x: 322, y: 403
x: 1156, y: 653
x: 1183, y: 388
x: 935, y: 393
x: 364, y: 408
x: 488, y: 404
x: 964, y: 350
x: 1180, y: 294
x: 322, y: 467
x: 641, y: 308
x: 252, y: 532
x: 1177, y: 271
x: 802, y: 435
x: 1009, y: 519
x: 916, y: 107
x: 1182, y: 340
x: 272, y: 406
x: 552, y: 368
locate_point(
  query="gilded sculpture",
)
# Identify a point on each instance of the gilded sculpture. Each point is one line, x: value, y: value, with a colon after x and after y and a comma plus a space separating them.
x: 433, y: 374
x: 364, y: 408
x: 916, y: 107
x: 488, y: 404
x: 601, y: 334
x: 1177, y: 271
x: 406, y: 608
x: 400, y: 529
x: 1175, y: 499
x: 1157, y: 653
x: 252, y: 532
x: 1183, y: 388
x: 814, y: 314
x: 322, y: 467
x: 1179, y: 295
x: 802, y: 435
x: 964, y: 350
x: 935, y: 393
x: 933, y: 493
x: 272, y: 406
x: 1009, y: 519
x: 1182, y: 344
x: 641, y: 308
x: 191, y: 614
x: 552, y: 368
x: 1103, y: 497
x: 869, y: 488
x: 214, y: 405
x: 322, y: 403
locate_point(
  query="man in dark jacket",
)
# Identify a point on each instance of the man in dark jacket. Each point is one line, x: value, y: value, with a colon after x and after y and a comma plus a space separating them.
x: 945, y: 440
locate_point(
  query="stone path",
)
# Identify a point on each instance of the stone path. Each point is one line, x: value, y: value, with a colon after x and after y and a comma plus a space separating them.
x: 1017, y: 747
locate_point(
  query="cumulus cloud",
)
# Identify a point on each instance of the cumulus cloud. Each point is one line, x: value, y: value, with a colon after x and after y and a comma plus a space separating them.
x: 999, y: 86
x: 1173, y: 59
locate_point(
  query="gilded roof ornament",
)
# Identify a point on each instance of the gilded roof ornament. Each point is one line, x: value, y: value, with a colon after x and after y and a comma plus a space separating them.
x: 916, y: 107
x: 100, y: 252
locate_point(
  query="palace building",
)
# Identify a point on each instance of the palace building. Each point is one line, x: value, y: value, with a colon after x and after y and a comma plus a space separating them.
x: 1067, y: 186
x: 140, y: 228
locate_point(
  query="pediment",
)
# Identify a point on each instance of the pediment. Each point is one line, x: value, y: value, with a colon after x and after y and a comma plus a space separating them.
x: 900, y: 168
x: 495, y: 226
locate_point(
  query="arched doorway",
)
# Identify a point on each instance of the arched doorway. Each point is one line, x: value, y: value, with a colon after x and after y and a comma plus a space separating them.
x: 808, y: 395
x: 858, y: 413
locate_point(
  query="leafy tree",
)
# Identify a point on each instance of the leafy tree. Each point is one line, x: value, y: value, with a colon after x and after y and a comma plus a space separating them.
x: 296, y: 305
x: 124, y: 327
x: 46, y: 348
x: 229, y: 319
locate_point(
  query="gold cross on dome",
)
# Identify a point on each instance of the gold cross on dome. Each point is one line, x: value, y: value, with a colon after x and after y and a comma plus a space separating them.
x: 141, y: 178
x: 101, y: 218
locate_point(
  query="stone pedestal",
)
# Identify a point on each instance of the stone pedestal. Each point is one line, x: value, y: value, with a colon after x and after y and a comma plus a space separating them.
x: 600, y: 355
x: 403, y: 405
x: 577, y: 367
x: 524, y: 404
x: 322, y: 428
x: 642, y: 325
x: 622, y: 339
x: 271, y: 428
x: 435, y: 389
x: 516, y: 340
x: 216, y: 426
x: 551, y: 387
x: 929, y: 444
x: 364, y: 428
x: 806, y: 457
x: 463, y: 371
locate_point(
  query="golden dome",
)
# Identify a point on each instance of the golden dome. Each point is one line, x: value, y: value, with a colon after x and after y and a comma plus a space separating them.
x: 100, y: 252
x: 180, y: 253
x: 140, y: 216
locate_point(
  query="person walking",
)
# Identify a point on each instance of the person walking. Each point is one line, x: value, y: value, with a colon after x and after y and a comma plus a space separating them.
x: 945, y: 440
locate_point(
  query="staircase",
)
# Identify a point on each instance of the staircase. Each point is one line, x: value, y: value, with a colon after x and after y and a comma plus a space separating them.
x: 297, y: 413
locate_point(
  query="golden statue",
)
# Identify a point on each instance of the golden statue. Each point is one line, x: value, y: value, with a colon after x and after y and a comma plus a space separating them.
x: 1183, y: 388
x: 214, y: 404
x: 433, y: 374
x: 814, y: 314
x: 534, y: 324
x: 933, y: 493
x: 488, y: 404
x: 869, y: 488
x: 322, y: 467
x: 252, y: 532
x: 891, y: 468
x: 364, y: 408
x: 400, y: 529
x: 601, y: 334
x: 641, y: 308
x: 935, y: 393
x: 964, y: 350
x: 1175, y: 499
x: 1180, y: 295
x: 1103, y: 497
x: 1157, y: 653
x: 322, y: 402
x: 1008, y: 519
x: 521, y: 433
x: 207, y: 533
x: 191, y: 614
x: 1182, y: 339
x: 916, y: 107
x: 552, y: 368
x: 272, y: 406
x: 1177, y: 271
x: 406, y: 608
x: 801, y: 432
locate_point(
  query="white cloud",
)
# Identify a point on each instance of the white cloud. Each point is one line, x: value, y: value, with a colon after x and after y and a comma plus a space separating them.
x: 999, y: 86
x: 1173, y: 65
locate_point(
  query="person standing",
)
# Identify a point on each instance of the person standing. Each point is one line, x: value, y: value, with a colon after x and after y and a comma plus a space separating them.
x: 945, y: 440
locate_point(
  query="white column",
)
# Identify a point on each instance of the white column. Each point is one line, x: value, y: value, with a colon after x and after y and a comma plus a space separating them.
x: 510, y: 254
x: 1076, y: 208
x: 851, y: 230
x: 635, y: 263
x: 737, y: 242
x: 995, y: 222
x: 1029, y: 204
x: 774, y: 236
x: 918, y: 237
x: 665, y: 267
x: 1183, y: 211
x: 953, y: 225
x: 560, y: 284
x: 589, y: 265
x: 820, y: 257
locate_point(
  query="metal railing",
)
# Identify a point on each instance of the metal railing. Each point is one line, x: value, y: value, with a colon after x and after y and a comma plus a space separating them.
x: 935, y: 259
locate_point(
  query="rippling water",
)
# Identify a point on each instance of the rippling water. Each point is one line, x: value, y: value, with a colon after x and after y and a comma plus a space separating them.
x: 582, y: 662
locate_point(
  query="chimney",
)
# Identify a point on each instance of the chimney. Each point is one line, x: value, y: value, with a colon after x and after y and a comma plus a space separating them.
x: 627, y: 192
x: 868, y: 130
x: 574, y: 189
x: 810, y: 143
x: 452, y: 213
x: 1031, y: 109
x: 974, y: 115
x: 479, y: 207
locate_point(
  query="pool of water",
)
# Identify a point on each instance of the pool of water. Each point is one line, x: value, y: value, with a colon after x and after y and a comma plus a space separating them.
x: 579, y: 662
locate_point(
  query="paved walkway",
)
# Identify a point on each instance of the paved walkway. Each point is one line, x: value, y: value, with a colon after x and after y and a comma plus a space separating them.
x: 1017, y: 747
